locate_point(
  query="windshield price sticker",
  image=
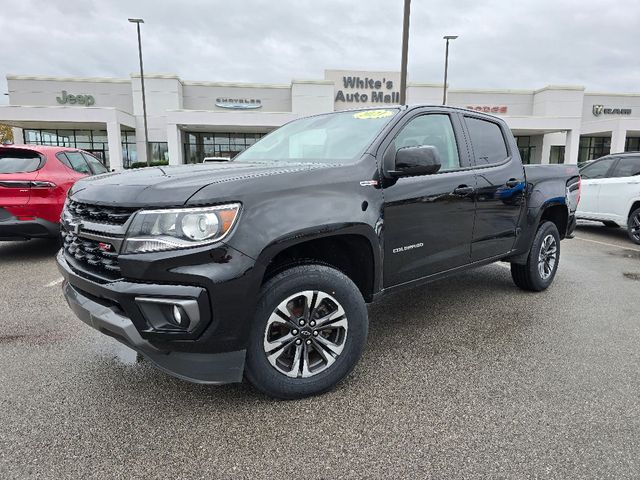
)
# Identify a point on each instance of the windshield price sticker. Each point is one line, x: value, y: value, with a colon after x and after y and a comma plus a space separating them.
x: 368, y: 114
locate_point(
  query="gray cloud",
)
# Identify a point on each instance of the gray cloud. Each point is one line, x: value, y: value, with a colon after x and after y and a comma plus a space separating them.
x: 502, y: 44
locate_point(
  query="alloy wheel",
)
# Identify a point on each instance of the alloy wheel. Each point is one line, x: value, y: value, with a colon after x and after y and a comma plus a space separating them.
x: 547, y: 257
x: 634, y: 227
x: 305, y: 334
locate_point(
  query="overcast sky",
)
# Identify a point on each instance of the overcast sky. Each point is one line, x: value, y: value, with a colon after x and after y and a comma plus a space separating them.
x: 503, y: 43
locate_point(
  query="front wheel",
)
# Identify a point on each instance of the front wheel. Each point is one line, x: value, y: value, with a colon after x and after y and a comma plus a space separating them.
x: 633, y: 226
x: 309, y: 332
x: 542, y: 262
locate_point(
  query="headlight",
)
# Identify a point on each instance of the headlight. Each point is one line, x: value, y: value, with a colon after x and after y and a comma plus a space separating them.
x: 156, y: 230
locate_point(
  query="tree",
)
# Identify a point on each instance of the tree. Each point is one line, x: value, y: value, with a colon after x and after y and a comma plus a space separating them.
x: 6, y: 134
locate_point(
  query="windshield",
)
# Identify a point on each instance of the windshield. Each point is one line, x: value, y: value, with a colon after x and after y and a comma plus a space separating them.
x: 332, y: 138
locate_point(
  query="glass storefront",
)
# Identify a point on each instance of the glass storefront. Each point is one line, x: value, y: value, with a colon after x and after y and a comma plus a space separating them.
x: 129, y: 149
x: 557, y: 154
x: 199, y: 145
x: 92, y: 141
x: 526, y: 149
x: 593, y: 147
x: 632, y: 144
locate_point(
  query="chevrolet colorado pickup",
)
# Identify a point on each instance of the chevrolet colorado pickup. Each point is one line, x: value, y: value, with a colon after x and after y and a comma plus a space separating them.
x: 262, y: 266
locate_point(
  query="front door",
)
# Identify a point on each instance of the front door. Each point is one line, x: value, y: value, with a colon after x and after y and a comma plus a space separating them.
x: 428, y: 220
x: 500, y: 188
x: 592, y: 178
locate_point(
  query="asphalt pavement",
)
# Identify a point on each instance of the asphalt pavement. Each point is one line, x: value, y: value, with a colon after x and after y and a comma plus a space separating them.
x: 466, y: 378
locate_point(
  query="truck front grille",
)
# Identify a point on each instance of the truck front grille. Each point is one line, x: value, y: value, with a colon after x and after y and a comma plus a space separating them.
x: 99, y: 213
x: 92, y: 256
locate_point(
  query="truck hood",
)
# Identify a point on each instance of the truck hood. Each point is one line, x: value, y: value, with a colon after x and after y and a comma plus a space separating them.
x: 174, y: 185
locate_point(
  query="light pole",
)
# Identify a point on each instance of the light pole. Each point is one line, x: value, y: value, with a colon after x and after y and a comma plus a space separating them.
x: 138, y: 21
x: 446, y: 66
x: 405, y: 51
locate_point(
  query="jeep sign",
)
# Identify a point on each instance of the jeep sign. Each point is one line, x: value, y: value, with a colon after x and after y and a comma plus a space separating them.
x: 65, y: 98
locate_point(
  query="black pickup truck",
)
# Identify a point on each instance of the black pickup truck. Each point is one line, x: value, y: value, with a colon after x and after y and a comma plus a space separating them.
x: 263, y: 266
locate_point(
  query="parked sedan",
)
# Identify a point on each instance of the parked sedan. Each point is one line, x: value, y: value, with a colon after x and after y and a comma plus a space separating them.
x: 611, y: 192
x: 34, y: 181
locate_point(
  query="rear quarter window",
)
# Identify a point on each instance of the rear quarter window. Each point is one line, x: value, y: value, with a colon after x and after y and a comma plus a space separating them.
x: 627, y: 167
x: 20, y: 161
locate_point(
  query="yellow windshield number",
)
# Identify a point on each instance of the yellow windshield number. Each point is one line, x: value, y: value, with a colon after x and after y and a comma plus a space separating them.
x: 369, y: 114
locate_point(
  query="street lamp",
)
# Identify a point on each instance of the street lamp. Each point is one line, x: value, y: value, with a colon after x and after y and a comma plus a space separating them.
x: 446, y: 65
x: 138, y: 21
x: 405, y: 51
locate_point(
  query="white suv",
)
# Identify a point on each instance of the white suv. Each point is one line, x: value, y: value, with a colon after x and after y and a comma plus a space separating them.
x: 611, y: 192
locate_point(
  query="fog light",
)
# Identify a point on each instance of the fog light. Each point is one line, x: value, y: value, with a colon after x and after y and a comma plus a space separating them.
x: 177, y: 316
x: 170, y: 314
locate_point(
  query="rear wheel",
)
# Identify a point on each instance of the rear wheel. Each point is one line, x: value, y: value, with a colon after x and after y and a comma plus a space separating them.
x: 610, y: 224
x: 633, y: 226
x: 309, y: 332
x: 542, y: 262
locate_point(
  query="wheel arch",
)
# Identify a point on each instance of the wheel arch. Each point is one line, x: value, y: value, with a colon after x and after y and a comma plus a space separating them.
x: 352, y: 249
x: 557, y: 213
x: 635, y: 204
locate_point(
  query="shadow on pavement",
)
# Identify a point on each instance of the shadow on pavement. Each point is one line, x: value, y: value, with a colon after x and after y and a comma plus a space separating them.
x: 29, y: 249
x: 597, y: 229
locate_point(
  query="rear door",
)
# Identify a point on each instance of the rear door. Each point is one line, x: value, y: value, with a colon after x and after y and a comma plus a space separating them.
x: 592, y: 176
x: 500, y: 187
x: 18, y: 169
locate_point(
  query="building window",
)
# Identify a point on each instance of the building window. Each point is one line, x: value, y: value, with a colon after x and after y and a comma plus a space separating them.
x: 129, y: 149
x: 632, y: 144
x: 593, y: 147
x: 557, y: 154
x: 92, y: 141
x: 199, y: 145
x: 526, y: 149
x: 159, y: 152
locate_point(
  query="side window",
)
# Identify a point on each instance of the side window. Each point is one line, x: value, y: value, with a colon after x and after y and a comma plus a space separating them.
x: 434, y: 130
x: 487, y: 141
x: 597, y: 169
x: 627, y: 167
x: 63, y: 158
x: 78, y: 162
x: 95, y: 164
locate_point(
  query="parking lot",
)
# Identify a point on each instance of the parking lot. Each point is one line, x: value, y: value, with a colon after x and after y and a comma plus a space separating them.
x: 469, y: 377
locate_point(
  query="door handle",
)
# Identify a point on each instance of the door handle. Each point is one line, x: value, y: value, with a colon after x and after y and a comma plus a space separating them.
x: 513, y: 182
x: 463, y: 190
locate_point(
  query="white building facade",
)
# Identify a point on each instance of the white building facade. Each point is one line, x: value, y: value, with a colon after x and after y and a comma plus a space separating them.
x: 189, y: 120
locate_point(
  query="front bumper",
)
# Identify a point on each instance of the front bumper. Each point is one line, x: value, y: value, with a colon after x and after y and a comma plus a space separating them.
x: 104, y: 306
x: 13, y: 229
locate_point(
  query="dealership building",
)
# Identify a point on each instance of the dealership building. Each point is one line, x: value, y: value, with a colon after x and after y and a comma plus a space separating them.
x: 188, y: 120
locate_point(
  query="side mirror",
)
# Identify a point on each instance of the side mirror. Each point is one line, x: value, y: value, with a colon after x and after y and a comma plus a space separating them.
x: 413, y: 161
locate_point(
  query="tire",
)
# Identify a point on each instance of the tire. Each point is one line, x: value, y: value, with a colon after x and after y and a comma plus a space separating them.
x: 542, y: 262
x: 633, y: 226
x: 313, y: 360
x: 610, y: 224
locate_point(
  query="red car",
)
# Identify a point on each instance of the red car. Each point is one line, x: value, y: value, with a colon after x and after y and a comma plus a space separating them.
x: 34, y: 181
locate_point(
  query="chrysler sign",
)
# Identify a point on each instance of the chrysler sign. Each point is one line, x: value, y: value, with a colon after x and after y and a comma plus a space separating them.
x: 602, y: 110
x: 238, y: 103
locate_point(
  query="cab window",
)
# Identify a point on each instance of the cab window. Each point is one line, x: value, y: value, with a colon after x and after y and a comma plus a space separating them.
x: 431, y: 130
x: 487, y: 140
